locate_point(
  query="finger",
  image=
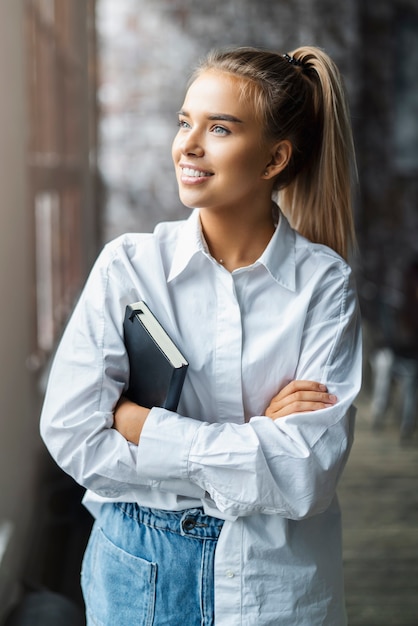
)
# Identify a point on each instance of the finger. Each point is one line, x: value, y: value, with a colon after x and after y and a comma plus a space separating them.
x: 301, y: 385
x: 303, y: 396
x: 302, y: 407
x: 296, y: 407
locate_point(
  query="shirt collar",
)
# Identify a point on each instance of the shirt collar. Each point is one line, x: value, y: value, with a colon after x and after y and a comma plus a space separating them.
x: 278, y: 258
x: 189, y: 243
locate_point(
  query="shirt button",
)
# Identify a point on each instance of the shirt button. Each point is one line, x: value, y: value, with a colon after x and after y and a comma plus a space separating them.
x: 229, y: 573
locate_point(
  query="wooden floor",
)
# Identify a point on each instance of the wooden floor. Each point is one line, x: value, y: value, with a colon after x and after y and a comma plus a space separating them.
x: 379, y: 500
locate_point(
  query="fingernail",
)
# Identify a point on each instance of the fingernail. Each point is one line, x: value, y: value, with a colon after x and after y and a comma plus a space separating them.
x: 322, y: 388
x: 333, y: 399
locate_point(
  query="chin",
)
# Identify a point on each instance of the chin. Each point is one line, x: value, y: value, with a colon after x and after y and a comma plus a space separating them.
x: 186, y: 202
x: 189, y: 200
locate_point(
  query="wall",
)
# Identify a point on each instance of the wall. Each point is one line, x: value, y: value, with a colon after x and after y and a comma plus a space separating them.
x: 147, y: 50
x: 20, y: 446
x: 387, y: 148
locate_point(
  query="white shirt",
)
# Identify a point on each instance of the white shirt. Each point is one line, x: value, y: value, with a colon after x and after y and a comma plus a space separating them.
x: 293, y: 314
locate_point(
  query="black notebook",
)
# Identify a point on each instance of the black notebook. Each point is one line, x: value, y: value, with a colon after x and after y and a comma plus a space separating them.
x: 157, y: 367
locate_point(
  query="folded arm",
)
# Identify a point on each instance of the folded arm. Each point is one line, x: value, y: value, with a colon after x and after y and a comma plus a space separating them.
x: 299, y: 396
x: 286, y: 461
x: 291, y: 465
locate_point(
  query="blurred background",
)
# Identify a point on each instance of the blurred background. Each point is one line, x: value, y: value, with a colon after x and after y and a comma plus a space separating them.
x: 88, y: 101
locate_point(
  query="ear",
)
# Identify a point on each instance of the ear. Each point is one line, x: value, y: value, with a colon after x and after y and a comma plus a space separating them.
x: 282, y: 152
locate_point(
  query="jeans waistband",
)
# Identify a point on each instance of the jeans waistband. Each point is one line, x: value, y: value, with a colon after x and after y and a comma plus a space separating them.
x: 190, y: 522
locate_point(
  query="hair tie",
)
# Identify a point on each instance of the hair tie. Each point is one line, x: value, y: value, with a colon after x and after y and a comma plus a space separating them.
x: 292, y: 60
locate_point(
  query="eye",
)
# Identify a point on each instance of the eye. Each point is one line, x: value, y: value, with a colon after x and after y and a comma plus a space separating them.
x: 183, y: 124
x: 220, y: 130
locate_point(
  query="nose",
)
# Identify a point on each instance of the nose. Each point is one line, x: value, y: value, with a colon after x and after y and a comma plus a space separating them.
x: 191, y: 143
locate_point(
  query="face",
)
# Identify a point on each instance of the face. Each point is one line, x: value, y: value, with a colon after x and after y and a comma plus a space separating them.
x: 219, y: 152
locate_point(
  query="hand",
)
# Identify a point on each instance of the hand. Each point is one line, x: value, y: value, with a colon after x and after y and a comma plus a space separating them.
x: 300, y: 396
x: 129, y: 419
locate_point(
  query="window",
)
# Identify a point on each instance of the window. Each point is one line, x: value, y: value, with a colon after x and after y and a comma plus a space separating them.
x: 61, y: 159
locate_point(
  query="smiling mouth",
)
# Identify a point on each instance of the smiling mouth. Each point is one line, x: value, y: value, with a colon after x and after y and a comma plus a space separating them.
x: 192, y: 173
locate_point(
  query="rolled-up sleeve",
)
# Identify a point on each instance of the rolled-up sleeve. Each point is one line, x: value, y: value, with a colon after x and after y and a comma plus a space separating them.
x: 88, y: 375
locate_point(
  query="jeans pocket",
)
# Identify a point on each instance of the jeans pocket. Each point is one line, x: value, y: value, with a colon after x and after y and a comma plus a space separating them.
x: 118, y: 588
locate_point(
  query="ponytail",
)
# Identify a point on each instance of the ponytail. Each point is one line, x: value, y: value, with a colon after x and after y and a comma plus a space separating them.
x: 300, y: 97
x: 318, y: 201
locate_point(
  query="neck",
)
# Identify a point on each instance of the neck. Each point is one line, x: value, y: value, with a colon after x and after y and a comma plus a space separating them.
x: 237, y: 241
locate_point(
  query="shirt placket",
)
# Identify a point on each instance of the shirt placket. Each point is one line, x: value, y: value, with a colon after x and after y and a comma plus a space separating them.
x: 228, y: 353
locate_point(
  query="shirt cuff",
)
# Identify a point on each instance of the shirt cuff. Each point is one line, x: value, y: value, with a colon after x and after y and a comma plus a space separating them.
x: 164, y: 446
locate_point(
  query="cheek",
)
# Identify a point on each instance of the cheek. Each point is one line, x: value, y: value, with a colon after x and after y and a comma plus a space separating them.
x: 249, y: 166
x: 249, y: 159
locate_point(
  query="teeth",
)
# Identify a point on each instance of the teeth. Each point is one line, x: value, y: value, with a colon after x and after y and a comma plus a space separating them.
x: 187, y: 171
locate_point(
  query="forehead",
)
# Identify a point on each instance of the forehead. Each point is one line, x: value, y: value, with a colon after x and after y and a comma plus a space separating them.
x: 216, y: 91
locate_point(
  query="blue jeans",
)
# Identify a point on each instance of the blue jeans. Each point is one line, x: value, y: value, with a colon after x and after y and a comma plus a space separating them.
x: 148, y: 567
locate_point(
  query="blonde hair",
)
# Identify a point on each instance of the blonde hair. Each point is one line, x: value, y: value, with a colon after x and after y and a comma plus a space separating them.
x: 300, y: 97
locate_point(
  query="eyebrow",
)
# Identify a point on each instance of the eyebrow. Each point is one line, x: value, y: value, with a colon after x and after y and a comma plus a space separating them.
x: 217, y: 117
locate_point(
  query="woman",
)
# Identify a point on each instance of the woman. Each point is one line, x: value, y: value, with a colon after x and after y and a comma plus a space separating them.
x: 225, y: 512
